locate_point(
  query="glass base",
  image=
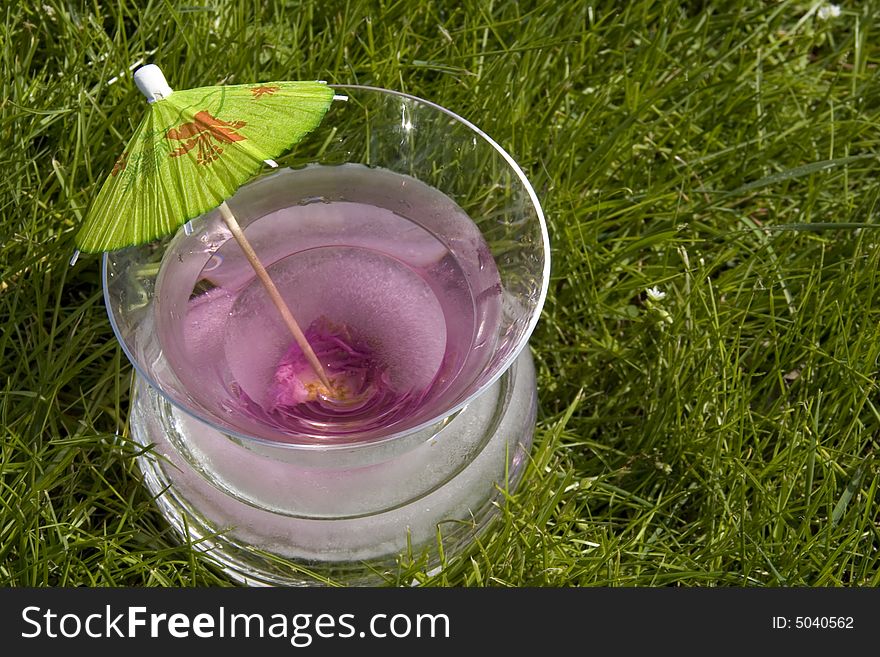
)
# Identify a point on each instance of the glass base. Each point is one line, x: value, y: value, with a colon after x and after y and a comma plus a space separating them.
x: 271, y: 516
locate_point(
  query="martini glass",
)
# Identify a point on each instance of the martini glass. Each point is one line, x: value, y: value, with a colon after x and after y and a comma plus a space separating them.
x: 414, y: 251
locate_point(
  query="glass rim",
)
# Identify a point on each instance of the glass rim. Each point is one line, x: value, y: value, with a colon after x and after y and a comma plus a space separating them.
x: 381, y: 439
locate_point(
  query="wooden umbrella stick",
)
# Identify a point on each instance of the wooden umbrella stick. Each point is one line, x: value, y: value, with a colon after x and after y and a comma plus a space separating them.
x: 274, y: 294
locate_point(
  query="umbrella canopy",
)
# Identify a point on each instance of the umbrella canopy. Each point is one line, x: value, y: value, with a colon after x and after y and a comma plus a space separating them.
x: 192, y: 150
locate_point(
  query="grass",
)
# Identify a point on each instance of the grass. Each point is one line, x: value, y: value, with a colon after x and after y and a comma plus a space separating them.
x: 721, y: 430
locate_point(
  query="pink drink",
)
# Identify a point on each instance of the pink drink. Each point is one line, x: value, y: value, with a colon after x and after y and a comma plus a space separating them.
x: 391, y: 281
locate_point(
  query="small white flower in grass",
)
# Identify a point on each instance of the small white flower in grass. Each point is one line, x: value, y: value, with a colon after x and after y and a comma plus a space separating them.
x: 655, y: 293
x: 655, y: 296
x: 827, y: 12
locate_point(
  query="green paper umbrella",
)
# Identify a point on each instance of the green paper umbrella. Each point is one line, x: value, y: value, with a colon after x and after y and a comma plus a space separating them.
x: 192, y: 150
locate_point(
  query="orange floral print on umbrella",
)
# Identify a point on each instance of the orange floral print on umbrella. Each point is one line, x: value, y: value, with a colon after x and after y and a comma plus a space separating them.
x: 200, y: 132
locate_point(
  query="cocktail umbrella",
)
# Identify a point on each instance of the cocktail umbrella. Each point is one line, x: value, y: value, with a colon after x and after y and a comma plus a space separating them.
x: 192, y: 150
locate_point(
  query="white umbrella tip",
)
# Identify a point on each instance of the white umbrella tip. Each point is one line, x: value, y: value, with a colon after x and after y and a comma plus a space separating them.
x: 151, y: 81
